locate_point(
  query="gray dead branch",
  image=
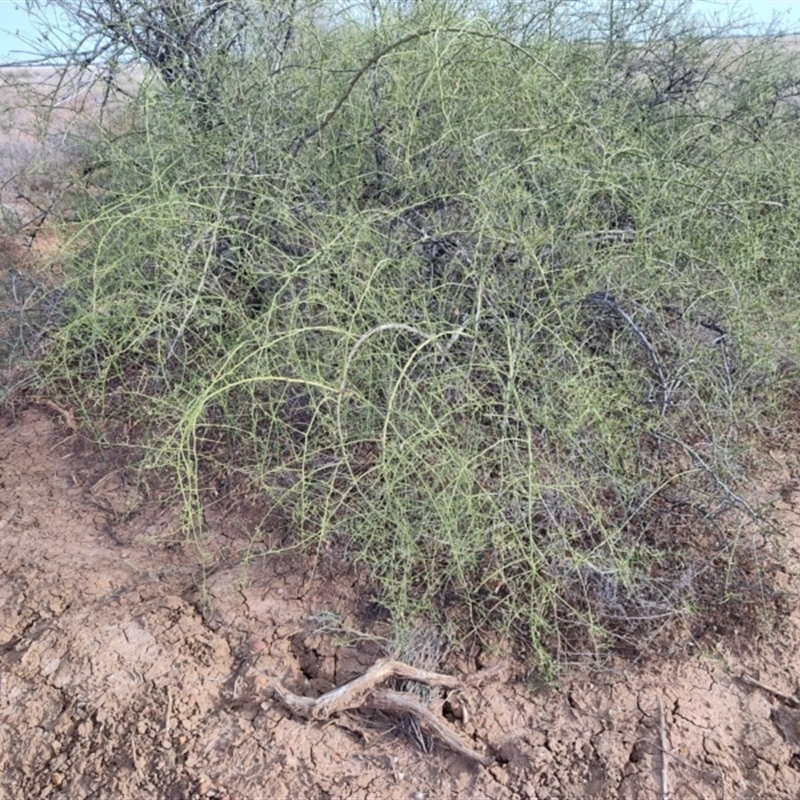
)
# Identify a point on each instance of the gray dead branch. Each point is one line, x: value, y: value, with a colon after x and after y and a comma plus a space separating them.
x: 364, y: 693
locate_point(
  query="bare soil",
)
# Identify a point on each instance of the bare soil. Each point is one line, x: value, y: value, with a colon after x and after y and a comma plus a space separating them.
x: 126, y: 673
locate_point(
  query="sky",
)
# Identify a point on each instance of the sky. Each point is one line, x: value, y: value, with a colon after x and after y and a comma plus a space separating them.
x: 762, y: 11
x: 16, y: 26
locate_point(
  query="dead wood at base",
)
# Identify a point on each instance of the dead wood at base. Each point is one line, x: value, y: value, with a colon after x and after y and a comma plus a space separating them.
x: 363, y: 693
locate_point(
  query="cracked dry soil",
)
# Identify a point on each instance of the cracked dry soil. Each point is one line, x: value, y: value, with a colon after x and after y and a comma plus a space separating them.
x: 118, y: 681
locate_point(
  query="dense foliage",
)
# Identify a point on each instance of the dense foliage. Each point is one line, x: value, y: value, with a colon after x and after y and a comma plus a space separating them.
x: 487, y: 303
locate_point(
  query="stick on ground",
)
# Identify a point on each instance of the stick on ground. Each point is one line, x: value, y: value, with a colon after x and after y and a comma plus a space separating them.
x: 789, y: 699
x: 664, y: 749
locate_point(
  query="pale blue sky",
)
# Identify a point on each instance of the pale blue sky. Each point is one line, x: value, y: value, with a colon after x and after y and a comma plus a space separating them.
x: 762, y: 11
x: 15, y: 23
x: 15, y: 26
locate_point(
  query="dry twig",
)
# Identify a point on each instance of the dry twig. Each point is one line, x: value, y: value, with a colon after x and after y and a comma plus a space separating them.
x: 65, y: 414
x: 704, y: 772
x: 664, y: 749
x: 789, y: 699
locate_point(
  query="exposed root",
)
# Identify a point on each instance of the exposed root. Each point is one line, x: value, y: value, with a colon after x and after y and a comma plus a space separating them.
x: 362, y: 693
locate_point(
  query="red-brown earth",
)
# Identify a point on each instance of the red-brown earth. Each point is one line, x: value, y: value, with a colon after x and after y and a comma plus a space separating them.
x: 127, y: 673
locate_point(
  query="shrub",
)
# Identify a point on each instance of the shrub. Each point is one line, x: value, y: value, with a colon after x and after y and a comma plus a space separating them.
x: 488, y: 313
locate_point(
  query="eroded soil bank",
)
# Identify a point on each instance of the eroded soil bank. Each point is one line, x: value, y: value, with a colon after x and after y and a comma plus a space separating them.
x: 123, y: 674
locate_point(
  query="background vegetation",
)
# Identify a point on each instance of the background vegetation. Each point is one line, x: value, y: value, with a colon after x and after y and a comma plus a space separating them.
x: 488, y: 300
